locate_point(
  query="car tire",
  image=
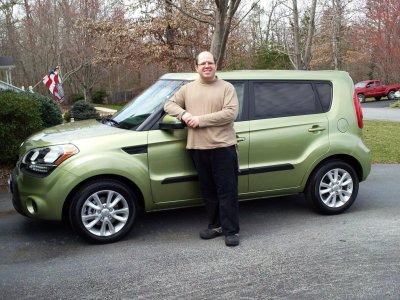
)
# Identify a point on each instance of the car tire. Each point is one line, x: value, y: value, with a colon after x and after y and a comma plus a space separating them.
x: 103, y: 211
x: 390, y: 95
x: 361, y: 98
x: 332, y: 187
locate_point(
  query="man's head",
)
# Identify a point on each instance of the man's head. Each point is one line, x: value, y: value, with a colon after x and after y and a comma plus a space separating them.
x: 205, y: 66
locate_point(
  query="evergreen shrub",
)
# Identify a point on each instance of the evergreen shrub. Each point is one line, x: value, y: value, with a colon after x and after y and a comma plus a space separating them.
x: 20, y: 117
x: 49, y: 109
x: 82, y: 110
x: 99, y: 96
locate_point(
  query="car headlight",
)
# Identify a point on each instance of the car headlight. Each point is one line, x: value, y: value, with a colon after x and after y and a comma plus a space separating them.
x: 42, y: 161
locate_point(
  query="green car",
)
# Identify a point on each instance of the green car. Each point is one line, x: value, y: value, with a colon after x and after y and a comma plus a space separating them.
x: 297, y: 132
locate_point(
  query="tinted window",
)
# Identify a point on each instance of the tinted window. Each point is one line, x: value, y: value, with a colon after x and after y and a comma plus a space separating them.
x: 282, y: 99
x: 239, y: 87
x: 325, y: 95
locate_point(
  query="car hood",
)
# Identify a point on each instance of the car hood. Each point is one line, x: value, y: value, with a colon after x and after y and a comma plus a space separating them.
x: 76, y: 133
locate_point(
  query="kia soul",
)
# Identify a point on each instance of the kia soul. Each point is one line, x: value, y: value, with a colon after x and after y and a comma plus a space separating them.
x: 297, y: 132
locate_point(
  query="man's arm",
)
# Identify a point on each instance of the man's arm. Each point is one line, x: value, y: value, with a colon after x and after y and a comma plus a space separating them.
x: 175, y: 106
x: 228, y: 113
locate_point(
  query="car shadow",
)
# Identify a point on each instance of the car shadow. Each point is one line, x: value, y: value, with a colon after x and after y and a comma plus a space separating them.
x: 255, y: 216
x: 189, y: 221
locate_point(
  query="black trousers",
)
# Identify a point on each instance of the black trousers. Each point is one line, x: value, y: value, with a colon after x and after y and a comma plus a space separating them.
x: 218, y: 176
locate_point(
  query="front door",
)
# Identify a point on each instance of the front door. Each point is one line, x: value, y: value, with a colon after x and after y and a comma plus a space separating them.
x: 172, y: 174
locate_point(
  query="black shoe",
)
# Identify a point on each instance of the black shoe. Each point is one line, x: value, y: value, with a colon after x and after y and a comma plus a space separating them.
x: 207, y: 234
x: 232, y: 240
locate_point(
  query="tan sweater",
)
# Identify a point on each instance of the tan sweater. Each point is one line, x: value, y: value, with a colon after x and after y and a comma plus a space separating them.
x: 216, y: 104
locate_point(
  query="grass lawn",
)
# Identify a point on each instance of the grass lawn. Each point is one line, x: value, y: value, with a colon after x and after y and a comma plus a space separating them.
x: 383, y: 139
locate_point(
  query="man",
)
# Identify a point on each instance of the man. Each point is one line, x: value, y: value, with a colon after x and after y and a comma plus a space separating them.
x: 209, y: 107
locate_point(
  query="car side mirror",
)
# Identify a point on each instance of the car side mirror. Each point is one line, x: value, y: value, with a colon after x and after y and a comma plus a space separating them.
x: 170, y: 123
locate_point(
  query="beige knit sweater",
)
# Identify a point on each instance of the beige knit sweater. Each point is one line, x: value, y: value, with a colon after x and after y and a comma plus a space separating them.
x: 216, y: 104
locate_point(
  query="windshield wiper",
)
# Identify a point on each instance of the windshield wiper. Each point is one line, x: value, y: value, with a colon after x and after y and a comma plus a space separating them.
x: 108, y: 119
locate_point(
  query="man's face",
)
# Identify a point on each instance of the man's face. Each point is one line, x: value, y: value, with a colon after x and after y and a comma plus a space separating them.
x: 206, y: 66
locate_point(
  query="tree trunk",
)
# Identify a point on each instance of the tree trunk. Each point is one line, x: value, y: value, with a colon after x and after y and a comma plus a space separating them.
x: 225, y: 11
x: 301, y: 58
x: 296, y: 37
x: 31, y: 42
x: 87, y: 94
x: 310, y: 36
x: 336, y: 25
x: 169, y: 34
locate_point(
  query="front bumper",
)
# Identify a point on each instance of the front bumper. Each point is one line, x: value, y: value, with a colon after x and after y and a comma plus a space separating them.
x: 38, y: 197
x: 13, y: 189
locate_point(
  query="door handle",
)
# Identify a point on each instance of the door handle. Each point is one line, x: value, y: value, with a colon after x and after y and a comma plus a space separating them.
x: 316, y: 128
x: 240, y: 139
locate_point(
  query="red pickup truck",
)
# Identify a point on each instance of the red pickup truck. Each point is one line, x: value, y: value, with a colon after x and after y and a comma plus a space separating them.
x: 375, y: 88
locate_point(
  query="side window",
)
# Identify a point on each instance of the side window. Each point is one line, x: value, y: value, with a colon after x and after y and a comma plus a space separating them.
x: 239, y: 87
x: 377, y: 83
x: 283, y: 99
x: 325, y: 95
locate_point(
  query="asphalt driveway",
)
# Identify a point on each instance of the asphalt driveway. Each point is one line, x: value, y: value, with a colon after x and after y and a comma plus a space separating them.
x: 286, y: 252
x: 380, y: 110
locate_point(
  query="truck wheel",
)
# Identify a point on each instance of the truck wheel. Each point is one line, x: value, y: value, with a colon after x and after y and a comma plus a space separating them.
x: 332, y: 187
x: 361, y: 98
x: 103, y: 211
x: 390, y: 96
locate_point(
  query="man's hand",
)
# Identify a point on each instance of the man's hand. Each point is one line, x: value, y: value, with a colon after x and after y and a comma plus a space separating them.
x: 186, y: 116
x: 190, y: 120
x: 193, y: 121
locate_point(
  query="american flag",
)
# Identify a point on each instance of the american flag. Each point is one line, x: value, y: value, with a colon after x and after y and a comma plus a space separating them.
x: 53, y: 83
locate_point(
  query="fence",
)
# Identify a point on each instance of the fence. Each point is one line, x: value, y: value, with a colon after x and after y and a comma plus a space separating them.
x: 7, y: 86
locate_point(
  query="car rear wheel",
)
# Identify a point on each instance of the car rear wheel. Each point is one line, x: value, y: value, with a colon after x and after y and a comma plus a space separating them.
x: 333, y: 187
x: 103, y: 211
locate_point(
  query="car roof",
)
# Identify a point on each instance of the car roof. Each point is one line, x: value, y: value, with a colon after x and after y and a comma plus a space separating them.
x: 265, y: 74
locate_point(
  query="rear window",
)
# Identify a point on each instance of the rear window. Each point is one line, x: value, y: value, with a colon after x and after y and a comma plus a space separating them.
x: 284, y: 99
x: 325, y: 95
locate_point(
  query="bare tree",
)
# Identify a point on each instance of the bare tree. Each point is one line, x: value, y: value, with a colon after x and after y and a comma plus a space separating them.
x: 302, y: 54
x: 81, y: 46
x: 219, y: 16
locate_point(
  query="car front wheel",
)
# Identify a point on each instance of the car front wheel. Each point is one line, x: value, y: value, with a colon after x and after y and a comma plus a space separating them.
x: 361, y: 98
x: 333, y: 187
x: 103, y: 211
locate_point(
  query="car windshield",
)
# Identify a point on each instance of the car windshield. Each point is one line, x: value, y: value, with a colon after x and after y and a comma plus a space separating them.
x: 141, y: 107
x: 360, y: 85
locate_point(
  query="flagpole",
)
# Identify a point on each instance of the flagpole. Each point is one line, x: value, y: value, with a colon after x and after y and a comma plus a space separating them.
x: 37, y: 84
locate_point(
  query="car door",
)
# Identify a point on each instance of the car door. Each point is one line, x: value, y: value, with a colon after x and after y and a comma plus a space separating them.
x: 370, y: 89
x: 379, y: 88
x: 172, y: 174
x: 288, y: 132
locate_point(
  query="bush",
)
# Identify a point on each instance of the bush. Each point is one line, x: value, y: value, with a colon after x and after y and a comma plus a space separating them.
x: 82, y: 110
x: 50, y: 111
x: 20, y: 117
x: 77, y: 97
x: 99, y: 96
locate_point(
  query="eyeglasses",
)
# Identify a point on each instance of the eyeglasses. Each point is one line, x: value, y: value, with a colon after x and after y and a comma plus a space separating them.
x: 206, y: 63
